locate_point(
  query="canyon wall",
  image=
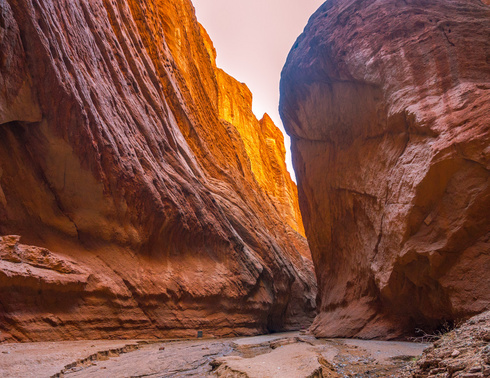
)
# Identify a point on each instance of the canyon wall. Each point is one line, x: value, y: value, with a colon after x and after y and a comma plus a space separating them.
x: 388, y: 106
x: 139, y: 195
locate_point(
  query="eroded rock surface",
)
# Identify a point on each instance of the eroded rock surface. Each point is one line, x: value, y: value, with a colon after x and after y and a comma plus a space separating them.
x: 388, y: 107
x: 463, y: 352
x: 145, y: 208
x: 281, y: 355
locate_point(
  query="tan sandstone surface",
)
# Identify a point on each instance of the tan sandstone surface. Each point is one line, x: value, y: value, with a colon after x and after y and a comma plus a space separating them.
x: 388, y: 107
x: 284, y: 355
x: 139, y: 195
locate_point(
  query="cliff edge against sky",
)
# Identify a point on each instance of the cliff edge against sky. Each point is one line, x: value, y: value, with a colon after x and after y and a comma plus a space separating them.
x: 149, y: 200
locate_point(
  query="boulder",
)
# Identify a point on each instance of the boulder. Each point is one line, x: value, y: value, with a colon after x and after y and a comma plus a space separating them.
x: 388, y: 107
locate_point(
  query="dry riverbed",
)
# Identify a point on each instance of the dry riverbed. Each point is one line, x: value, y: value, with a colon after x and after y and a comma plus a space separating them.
x: 278, y: 355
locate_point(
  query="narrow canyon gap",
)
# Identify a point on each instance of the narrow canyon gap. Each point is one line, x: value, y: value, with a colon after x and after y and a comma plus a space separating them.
x: 388, y: 107
x: 139, y: 195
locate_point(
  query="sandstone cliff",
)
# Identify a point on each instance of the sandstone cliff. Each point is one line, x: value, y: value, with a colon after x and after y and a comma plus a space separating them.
x: 388, y: 107
x: 145, y: 207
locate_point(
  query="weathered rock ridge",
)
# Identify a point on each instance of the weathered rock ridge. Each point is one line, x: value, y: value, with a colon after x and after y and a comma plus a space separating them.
x: 388, y: 107
x: 148, y: 198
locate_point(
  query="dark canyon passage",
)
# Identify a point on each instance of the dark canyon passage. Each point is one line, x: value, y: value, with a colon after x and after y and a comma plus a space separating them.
x: 149, y: 200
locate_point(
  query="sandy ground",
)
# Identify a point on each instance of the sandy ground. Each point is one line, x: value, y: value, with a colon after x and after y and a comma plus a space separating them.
x: 279, y: 355
x: 47, y: 359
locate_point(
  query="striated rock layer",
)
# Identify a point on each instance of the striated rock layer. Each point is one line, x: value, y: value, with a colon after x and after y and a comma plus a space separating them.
x: 149, y: 199
x: 388, y: 107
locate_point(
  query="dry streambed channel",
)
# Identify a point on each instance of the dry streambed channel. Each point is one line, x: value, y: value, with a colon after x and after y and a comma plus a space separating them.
x: 279, y: 355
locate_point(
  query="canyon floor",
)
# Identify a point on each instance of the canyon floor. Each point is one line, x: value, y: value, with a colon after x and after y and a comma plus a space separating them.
x: 278, y: 355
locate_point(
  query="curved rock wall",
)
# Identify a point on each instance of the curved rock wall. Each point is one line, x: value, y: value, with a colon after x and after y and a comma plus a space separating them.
x: 140, y: 209
x: 388, y: 107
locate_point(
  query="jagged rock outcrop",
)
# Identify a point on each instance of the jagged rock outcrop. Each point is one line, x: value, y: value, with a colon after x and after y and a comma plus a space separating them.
x: 388, y: 107
x: 461, y: 352
x: 141, y: 209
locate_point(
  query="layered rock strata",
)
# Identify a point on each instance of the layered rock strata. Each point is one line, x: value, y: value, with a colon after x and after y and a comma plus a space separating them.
x: 388, y: 107
x: 142, y: 209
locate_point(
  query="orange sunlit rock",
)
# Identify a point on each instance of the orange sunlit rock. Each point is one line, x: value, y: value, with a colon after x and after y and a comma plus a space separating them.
x: 264, y: 145
x: 141, y: 210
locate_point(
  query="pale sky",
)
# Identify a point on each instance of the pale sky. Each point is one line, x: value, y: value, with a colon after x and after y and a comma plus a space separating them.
x: 252, y: 39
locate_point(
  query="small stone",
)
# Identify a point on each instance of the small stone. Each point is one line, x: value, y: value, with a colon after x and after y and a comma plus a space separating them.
x: 437, y: 371
x: 456, y: 367
x: 161, y: 348
x: 475, y: 369
x: 486, y: 359
x: 486, y: 335
x: 455, y: 353
x: 428, y: 363
x: 486, y: 371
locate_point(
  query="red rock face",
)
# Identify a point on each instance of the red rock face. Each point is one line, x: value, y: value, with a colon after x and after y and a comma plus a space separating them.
x: 388, y: 107
x: 139, y: 211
